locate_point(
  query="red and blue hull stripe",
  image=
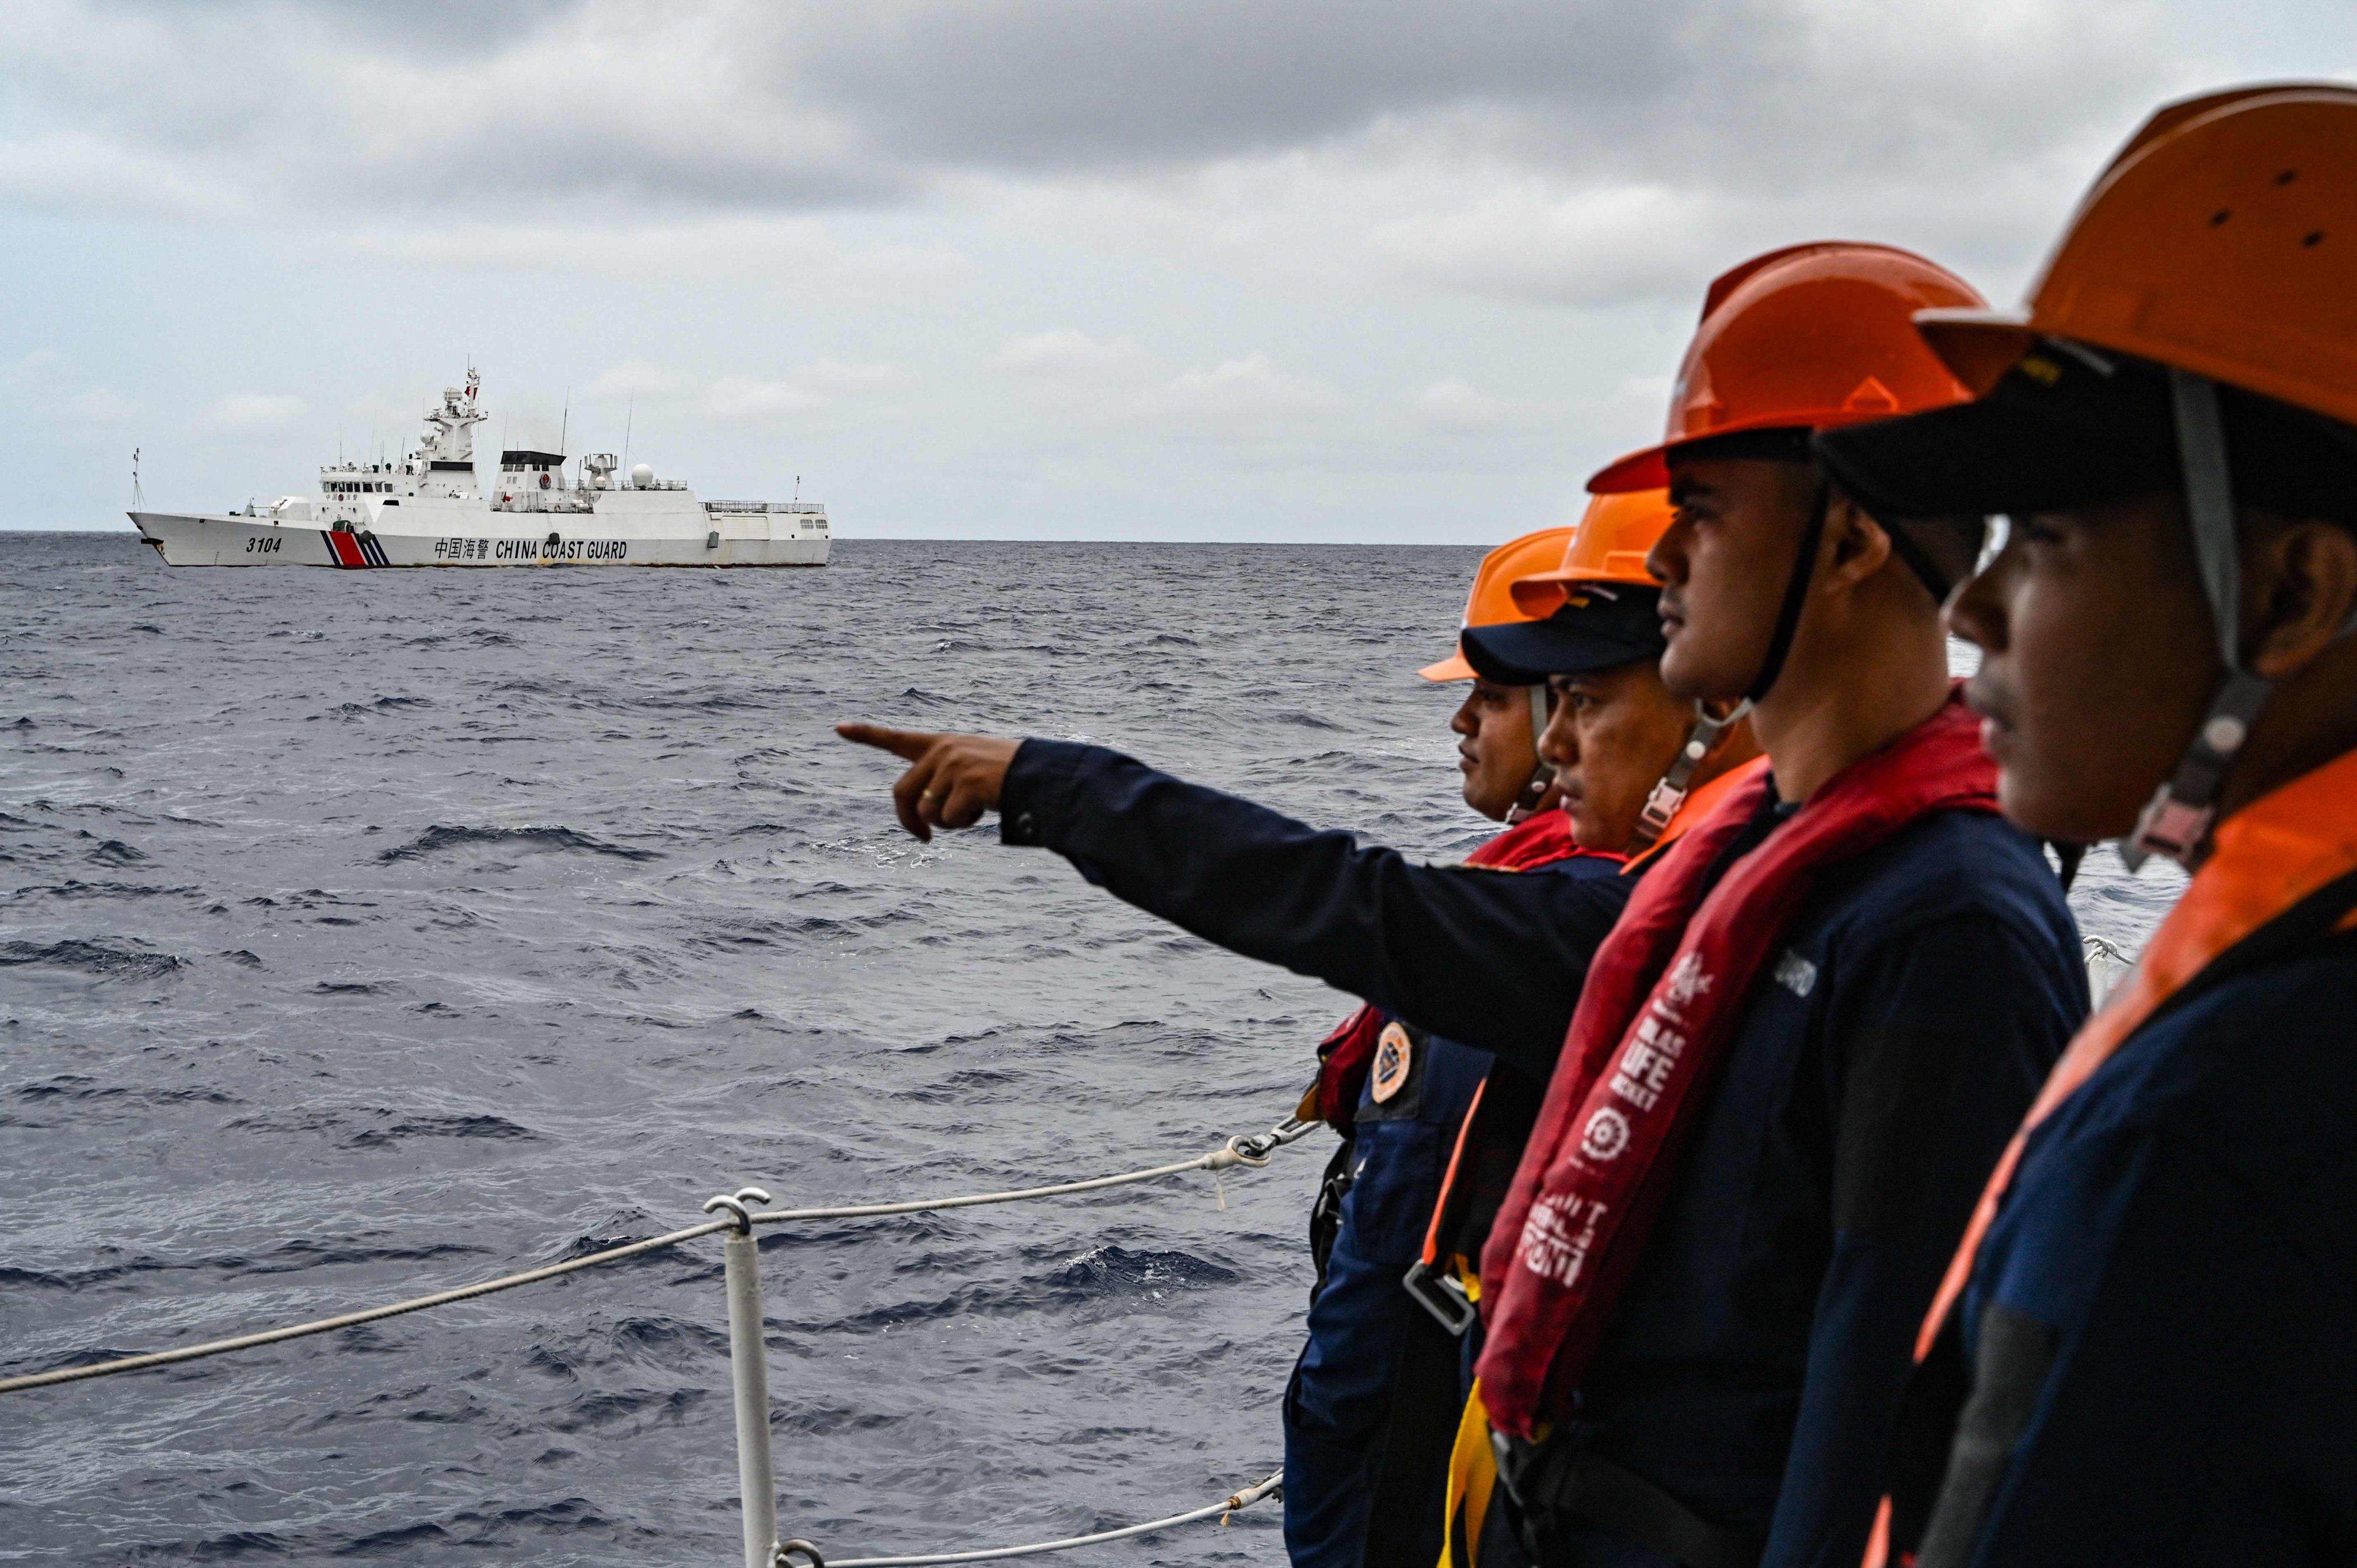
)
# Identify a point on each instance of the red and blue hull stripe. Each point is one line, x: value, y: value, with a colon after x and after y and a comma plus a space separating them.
x: 355, y: 549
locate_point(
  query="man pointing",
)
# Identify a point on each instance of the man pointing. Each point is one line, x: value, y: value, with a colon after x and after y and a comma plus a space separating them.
x: 1794, y: 1059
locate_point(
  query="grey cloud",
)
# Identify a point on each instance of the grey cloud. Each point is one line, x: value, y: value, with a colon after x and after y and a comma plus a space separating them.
x: 456, y: 110
x: 1788, y: 94
x: 1076, y: 84
x: 739, y: 105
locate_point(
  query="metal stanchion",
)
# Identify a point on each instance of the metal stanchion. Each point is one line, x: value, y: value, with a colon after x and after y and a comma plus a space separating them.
x: 748, y: 1360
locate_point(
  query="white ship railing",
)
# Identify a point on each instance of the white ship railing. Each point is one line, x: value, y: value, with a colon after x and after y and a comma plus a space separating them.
x: 747, y: 1352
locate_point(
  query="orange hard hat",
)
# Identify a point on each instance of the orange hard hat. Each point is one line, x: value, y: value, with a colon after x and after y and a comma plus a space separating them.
x: 1492, y: 600
x: 1609, y: 546
x: 1595, y: 607
x: 2217, y: 241
x: 1807, y: 338
x: 2195, y: 330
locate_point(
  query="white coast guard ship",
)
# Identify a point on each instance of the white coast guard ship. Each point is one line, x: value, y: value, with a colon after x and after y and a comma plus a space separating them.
x: 429, y: 511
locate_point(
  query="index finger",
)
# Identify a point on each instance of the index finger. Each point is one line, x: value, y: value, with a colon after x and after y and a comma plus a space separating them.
x: 908, y: 745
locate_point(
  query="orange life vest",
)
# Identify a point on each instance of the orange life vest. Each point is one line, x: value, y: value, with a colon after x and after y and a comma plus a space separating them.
x: 2283, y: 848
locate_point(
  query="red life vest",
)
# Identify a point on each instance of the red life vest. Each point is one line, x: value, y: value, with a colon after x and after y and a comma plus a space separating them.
x: 1540, y: 840
x: 1453, y: 1210
x: 1665, y: 996
x: 2283, y: 848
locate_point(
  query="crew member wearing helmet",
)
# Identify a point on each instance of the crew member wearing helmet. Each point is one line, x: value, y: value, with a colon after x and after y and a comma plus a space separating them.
x: 1369, y: 1403
x: 1794, y: 1061
x: 1798, y: 1047
x: 1634, y: 768
x: 2143, y: 1350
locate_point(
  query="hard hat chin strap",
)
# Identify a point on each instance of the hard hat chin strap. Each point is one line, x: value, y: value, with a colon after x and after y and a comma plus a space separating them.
x: 1675, y: 785
x: 2177, y: 821
x: 1542, y: 777
x: 1796, y: 597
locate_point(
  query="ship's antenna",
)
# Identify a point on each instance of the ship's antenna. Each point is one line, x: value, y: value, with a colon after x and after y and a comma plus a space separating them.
x: 629, y: 413
x: 798, y: 488
x: 137, y: 500
x: 564, y: 428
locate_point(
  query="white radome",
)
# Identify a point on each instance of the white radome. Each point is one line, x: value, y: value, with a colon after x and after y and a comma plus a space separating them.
x: 429, y: 511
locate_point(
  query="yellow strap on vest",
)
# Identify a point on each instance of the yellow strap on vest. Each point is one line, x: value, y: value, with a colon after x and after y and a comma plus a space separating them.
x: 1472, y: 1474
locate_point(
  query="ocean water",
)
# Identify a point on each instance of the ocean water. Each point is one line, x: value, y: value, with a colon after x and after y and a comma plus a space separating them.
x: 364, y: 934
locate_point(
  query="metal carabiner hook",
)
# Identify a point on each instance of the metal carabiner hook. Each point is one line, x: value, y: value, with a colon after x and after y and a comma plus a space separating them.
x: 1255, y: 1148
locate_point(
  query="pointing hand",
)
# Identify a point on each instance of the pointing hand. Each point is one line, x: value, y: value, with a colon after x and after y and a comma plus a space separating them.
x: 951, y: 779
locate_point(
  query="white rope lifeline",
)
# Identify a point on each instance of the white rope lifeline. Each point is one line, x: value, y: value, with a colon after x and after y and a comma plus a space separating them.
x: 1255, y: 1150
x: 351, y: 1319
x: 1235, y: 1503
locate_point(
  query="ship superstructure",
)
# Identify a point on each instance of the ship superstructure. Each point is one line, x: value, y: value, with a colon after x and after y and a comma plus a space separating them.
x: 430, y: 509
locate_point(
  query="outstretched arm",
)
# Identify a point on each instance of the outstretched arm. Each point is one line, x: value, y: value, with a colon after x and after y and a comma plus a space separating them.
x: 1493, y: 958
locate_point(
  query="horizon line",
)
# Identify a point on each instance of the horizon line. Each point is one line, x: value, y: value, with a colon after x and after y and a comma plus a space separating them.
x: 132, y: 533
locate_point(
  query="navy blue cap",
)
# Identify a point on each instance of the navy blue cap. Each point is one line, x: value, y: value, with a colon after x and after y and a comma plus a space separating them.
x: 1600, y: 626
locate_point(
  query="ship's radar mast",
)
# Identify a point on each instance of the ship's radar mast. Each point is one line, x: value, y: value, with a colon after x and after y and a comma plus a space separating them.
x: 443, y: 464
x: 451, y: 429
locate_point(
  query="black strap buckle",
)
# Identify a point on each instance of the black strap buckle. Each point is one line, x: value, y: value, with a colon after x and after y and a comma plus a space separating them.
x: 1440, y: 1293
x: 1555, y: 1486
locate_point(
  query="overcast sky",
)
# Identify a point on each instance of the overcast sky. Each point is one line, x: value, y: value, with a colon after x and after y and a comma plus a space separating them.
x: 1217, y: 269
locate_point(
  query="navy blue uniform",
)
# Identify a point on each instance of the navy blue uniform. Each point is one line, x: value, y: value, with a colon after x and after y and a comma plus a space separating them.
x: 1756, y: 1363
x: 1405, y: 936
x: 1755, y: 1366
x: 2165, y: 1298
x: 1339, y: 1402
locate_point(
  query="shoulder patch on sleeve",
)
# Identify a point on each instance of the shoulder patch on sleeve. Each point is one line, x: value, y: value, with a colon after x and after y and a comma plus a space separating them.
x: 1394, y: 1053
